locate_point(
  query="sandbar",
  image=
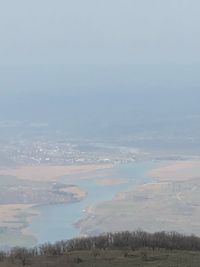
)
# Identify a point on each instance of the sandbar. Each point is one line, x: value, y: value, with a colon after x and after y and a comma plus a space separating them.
x: 111, y: 182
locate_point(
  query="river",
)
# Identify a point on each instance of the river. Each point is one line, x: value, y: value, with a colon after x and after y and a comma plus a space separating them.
x: 56, y: 222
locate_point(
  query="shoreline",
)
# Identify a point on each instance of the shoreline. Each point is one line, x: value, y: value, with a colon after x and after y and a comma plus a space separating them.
x: 29, y: 219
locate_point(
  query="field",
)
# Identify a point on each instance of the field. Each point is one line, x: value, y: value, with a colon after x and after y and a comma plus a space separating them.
x: 50, y: 173
x: 177, y: 171
x: 116, y: 258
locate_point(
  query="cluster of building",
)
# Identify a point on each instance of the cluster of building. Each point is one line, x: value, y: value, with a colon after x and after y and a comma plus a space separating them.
x: 38, y: 152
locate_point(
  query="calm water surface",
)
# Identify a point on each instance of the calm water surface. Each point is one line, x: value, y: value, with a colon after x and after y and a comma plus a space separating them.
x: 56, y: 222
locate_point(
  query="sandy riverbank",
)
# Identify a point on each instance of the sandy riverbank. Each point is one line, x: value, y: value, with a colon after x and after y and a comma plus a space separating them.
x: 111, y: 182
x: 177, y: 171
x: 10, y: 214
x: 51, y: 173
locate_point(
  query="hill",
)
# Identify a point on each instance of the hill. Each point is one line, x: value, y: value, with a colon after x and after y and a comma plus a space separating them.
x: 120, y: 250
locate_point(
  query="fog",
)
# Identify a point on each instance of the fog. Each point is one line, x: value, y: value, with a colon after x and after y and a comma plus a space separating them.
x: 101, y: 64
x: 99, y: 32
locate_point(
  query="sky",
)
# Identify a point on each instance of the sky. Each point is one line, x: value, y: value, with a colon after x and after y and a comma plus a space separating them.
x: 80, y: 43
x: 99, y: 51
x: 99, y: 32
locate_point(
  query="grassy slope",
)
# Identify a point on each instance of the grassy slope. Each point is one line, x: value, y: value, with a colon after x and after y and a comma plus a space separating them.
x: 167, y: 206
x: 117, y: 258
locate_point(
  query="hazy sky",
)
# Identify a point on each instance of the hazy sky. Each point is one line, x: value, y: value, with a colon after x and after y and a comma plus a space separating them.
x: 105, y: 61
x: 99, y: 32
x: 52, y: 45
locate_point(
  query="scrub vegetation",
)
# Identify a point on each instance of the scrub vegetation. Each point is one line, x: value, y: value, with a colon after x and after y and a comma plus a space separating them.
x: 137, y: 248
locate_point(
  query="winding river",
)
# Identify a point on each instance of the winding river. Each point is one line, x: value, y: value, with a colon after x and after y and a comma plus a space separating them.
x: 57, y: 222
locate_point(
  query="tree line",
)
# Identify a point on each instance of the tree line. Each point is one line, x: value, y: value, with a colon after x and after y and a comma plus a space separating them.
x: 121, y: 240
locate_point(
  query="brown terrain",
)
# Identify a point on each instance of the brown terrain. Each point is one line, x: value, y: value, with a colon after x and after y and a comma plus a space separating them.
x: 177, y: 171
x: 50, y: 173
